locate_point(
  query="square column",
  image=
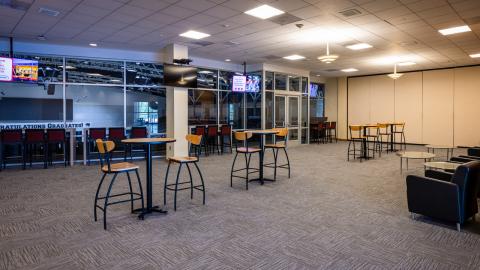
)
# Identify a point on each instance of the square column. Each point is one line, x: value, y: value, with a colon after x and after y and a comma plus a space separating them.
x: 177, y: 106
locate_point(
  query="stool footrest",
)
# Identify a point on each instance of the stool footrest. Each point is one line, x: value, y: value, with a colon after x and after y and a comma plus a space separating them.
x: 183, y: 188
x: 121, y: 194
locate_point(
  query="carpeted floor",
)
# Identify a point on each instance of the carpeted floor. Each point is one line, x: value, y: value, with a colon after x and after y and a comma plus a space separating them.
x: 331, y: 214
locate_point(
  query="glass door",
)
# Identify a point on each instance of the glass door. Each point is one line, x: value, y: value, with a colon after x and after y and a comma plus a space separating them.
x: 287, y: 112
x: 280, y: 111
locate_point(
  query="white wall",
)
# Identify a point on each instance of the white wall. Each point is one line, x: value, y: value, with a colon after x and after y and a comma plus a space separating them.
x: 438, y: 106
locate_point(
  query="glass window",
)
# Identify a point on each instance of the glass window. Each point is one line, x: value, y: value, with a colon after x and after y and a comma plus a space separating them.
x: 304, y: 110
x: 231, y: 109
x: 139, y: 73
x: 294, y: 83
x: 26, y: 102
x: 268, y: 80
x: 50, y: 69
x: 202, y: 107
x: 305, y: 85
x: 254, y: 110
x: 147, y: 107
x: 101, y: 106
x: 316, y: 101
x: 94, y: 71
x: 269, y: 109
x: 280, y: 81
x: 207, y: 78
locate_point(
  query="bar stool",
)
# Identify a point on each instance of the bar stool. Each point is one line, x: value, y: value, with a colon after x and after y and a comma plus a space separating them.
x: 56, y: 137
x: 212, y: 138
x: 384, y: 133
x: 314, y: 132
x: 355, y: 138
x: 35, y: 138
x: 14, y: 138
x: 93, y: 135
x: 226, y: 137
x: 372, y: 137
x: 202, y: 131
x: 105, y: 149
x: 137, y: 132
x: 280, y: 142
x: 399, y: 128
x: 243, y: 137
x: 332, y: 131
x: 193, y: 140
x: 117, y: 134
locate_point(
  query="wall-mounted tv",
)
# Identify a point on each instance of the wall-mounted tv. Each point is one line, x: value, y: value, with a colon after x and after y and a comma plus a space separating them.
x: 180, y: 76
x: 239, y: 83
x: 313, y: 90
x: 253, y: 83
x: 18, y: 70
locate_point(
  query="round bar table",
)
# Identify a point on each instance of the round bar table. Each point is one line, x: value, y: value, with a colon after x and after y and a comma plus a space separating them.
x: 448, y: 148
x: 148, y: 142
x: 263, y: 133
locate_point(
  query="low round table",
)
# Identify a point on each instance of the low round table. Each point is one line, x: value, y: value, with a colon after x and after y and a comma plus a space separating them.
x: 448, y: 148
x: 148, y: 142
x: 441, y: 165
x: 414, y: 155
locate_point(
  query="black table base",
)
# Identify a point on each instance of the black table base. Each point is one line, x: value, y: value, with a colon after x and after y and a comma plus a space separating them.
x: 153, y: 209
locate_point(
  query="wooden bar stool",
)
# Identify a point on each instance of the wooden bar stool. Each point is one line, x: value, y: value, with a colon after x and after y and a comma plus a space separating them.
x: 117, y: 134
x: 247, y: 151
x: 202, y: 131
x: 212, y: 139
x: 399, y: 128
x: 384, y: 135
x: 35, y: 138
x: 280, y: 142
x: 137, y: 132
x: 93, y: 135
x: 332, y: 131
x: 193, y: 140
x: 226, y: 137
x: 11, y: 138
x: 373, y: 138
x: 105, y: 149
x: 57, y: 138
x: 355, y: 138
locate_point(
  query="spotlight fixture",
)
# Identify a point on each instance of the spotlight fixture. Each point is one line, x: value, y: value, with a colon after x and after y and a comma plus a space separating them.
x: 349, y: 70
x: 93, y: 44
x: 264, y: 12
x: 294, y: 57
x: 328, y: 58
x: 395, y: 75
x: 475, y: 55
x: 455, y: 30
x: 228, y: 60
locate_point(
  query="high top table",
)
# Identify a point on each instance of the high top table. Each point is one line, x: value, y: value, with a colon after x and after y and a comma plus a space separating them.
x: 148, y: 142
x: 263, y: 133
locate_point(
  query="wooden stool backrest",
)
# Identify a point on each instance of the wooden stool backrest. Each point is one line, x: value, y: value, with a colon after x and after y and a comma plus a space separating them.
x: 194, y: 139
x: 242, y: 135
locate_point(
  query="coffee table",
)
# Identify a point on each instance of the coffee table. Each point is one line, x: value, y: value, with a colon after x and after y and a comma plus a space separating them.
x: 414, y: 155
x: 441, y: 165
x: 449, y: 149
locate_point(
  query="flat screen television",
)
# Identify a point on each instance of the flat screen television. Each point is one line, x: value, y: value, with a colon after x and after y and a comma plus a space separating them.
x: 6, y: 69
x: 24, y: 70
x: 239, y: 83
x: 313, y: 90
x: 180, y: 76
x: 253, y: 83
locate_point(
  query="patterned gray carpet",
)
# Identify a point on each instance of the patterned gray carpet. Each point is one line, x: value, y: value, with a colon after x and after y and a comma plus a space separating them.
x: 331, y: 214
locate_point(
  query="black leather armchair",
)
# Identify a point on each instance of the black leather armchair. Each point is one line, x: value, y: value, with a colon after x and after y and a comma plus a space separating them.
x: 449, y: 197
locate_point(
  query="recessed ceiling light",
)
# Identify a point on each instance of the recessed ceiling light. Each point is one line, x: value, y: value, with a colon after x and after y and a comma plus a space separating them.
x: 475, y: 55
x: 349, y: 70
x: 359, y: 46
x: 194, y: 34
x: 294, y: 57
x: 93, y: 44
x: 318, y: 75
x: 227, y: 60
x: 264, y: 12
x: 455, y: 30
x: 407, y: 63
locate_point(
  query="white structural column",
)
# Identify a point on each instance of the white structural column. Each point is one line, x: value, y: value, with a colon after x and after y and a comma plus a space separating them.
x: 177, y: 106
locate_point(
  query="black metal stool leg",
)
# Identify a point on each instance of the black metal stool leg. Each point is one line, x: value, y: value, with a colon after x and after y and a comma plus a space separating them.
x: 131, y: 191
x: 275, y: 156
x: 288, y: 161
x: 106, y: 201
x: 231, y: 172
x: 191, y: 181
x: 140, y: 187
x: 165, y: 184
x: 176, y: 188
x: 246, y: 163
x: 201, y: 178
x: 96, y: 196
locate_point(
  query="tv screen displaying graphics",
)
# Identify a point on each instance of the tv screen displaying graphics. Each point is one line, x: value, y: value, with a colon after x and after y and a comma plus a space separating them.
x: 239, y: 83
x: 313, y: 90
x: 180, y: 76
x: 253, y: 83
x: 24, y: 70
x: 6, y: 69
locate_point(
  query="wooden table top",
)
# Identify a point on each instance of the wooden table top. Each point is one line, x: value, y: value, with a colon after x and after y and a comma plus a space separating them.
x: 149, y: 140
x: 263, y: 131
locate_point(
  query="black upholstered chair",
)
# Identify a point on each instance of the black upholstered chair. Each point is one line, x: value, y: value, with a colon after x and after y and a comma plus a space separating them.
x: 474, y: 152
x: 449, y: 197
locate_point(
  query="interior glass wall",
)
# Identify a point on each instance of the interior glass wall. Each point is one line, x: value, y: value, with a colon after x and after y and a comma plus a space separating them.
x: 146, y: 107
x: 202, y: 107
x: 232, y: 109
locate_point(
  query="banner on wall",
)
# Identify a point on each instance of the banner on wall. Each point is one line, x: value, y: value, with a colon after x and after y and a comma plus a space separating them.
x: 43, y: 125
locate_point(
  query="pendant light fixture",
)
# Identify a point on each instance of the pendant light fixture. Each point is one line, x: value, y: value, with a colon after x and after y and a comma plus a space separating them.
x: 328, y: 58
x: 395, y: 75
